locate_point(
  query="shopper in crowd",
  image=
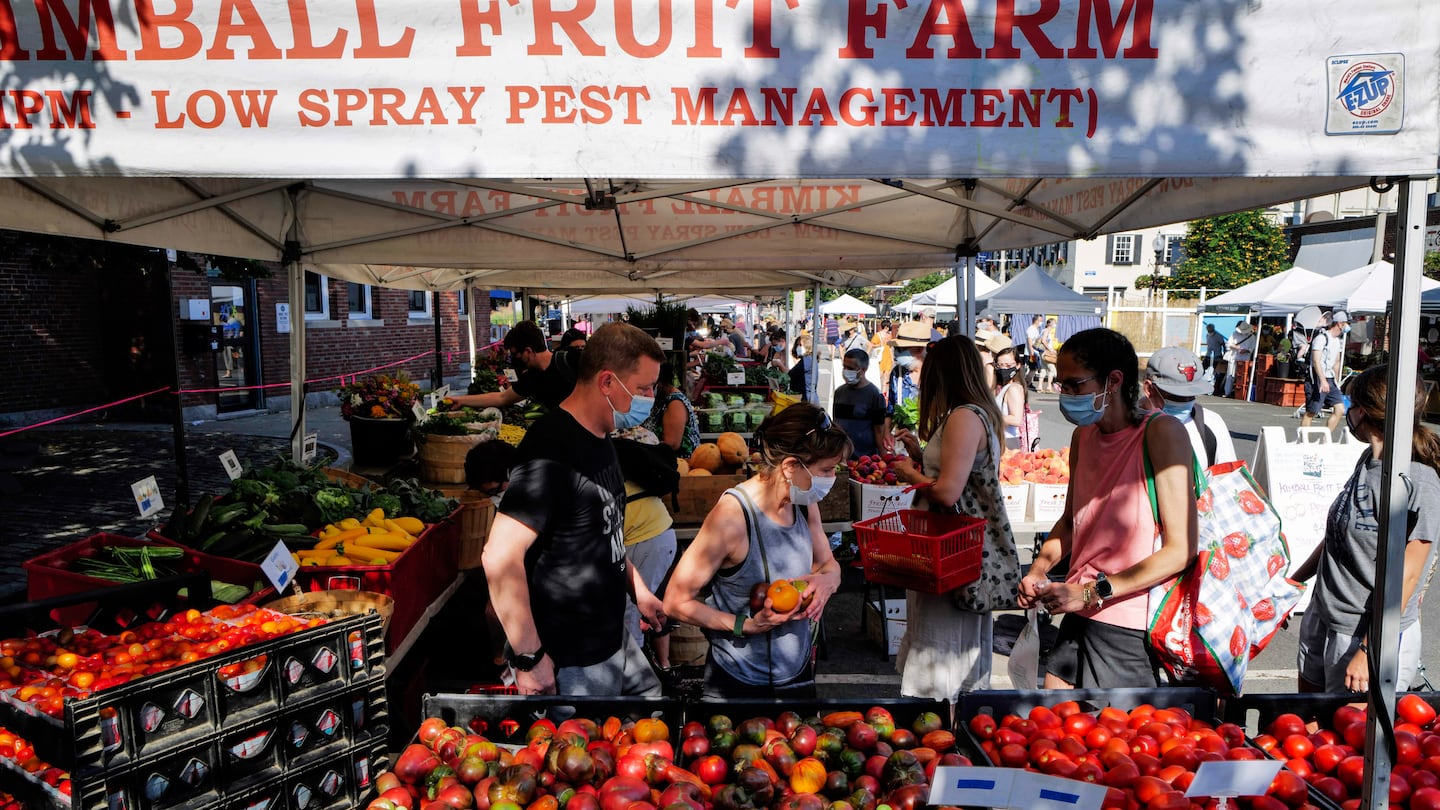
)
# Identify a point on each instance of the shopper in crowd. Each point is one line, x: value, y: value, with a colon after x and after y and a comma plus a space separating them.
x: 1010, y: 392
x: 487, y: 467
x: 673, y: 418
x: 542, y: 375
x: 775, y: 353
x: 1173, y: 380
x: 701, y: 342
x: 882, y: 355
x: 650, y: 544
x: 904, y: 380
x: 558, y: 576
x: 854, y: 337
x: 1327, y: 363
x: 1049, y: 345
x: 987, y: 326
x: 1032, y: 342
x: 763, y: 530
x: 802, y: 371
x: 1214, y: 346
x: 1241, y: 348
x: 573, y: 338
x: 947, y: 648
x: 1335, y: 649
x: 927, y: 317
x: 1108, y: 529
x: 859, y: 407
x: 735, y: 336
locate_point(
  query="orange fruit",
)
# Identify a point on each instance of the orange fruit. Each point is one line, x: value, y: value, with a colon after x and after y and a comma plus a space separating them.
x: 783, y: 596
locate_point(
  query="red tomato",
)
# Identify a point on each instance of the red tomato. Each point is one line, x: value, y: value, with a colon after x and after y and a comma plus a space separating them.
x: 1088, y: 772
x: 1399, y: 790
x: 1332, y: 788
x: 1267, y: 743
x: 1147, y: 788
x: 1286, y: 725
x: 1043, y: 716
x: 1160, y: 731
x: 1013, y: 755
x: 1148, y: 764
x: 1425, y: 798
x: 1301, y: 767
x: 1008, y: 736
x: 1288, y: 788
x: 1144, y: 745
x: 1072, y: 746
x: 1297, y: 746
x: 982, y: 726
x: 1097, y: 737
x: 1169, y: 800
x: 1231, y: 733
x: 1036, y: 746
x: 1065, y: 708
x: 1430, y: 744
x: 1407, y: 748
x: 712, y: 769
x: 1421, y: 779
x: 1351, y: 771
x: 1182, y: 757
x: 1113, y: 719
x: 1122, y: 775
x: 1413, y: 709
x: 1354, y: 736
x: 1326, y: 757
x: 1079, y: 724
x: 1345, y: 715
x: 1267, y: 803
x: 1241, y: 752
x: 1431, y: 764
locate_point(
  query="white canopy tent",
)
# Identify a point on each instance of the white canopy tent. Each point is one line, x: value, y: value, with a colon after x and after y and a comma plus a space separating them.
x: 946, y: 295
x: 1272, y: 295
x: 708, y: 148
x: 846, y: 305
x: 1364, y: 289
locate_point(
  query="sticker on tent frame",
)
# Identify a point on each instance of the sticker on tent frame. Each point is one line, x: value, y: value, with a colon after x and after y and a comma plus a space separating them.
x: 1366, y: 94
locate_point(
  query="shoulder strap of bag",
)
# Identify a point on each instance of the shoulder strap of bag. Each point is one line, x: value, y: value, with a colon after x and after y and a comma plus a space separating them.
x: 1207, y: 436
x: 1197, y: 475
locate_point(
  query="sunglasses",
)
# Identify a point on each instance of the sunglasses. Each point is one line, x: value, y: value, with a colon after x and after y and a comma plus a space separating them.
x: 1072, y: 386
x: 822, y: 423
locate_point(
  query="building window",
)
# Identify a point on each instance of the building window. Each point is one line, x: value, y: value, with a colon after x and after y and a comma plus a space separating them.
x: 462, y: 302
x: 419, y: 304
x: 1173, y: 251
x: 360, y: 301
x: 317, y: 296
x: 1122, y: 248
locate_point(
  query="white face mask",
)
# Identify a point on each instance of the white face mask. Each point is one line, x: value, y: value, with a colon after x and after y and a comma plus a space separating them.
x: 819, y: 488
x: 850, y: 376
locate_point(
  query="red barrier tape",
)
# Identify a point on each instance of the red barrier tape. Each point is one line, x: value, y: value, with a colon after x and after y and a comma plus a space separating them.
x: 87, y: 410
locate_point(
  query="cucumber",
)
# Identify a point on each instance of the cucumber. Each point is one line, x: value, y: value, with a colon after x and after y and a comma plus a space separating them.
x: 177, y: 528
x: 197, y: 517
x: 286, y: 528
x: 226, y: 514
x: 211, y: 540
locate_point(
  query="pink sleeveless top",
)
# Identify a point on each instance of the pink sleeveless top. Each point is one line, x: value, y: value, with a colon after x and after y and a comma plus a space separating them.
x: 1114, y: 527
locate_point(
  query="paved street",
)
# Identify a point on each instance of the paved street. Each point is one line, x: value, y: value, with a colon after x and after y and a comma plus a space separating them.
x: 73, y: 480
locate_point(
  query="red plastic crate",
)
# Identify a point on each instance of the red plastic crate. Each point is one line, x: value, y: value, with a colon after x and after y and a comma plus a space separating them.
x: 924, y: 551
x: 50, y: 574
x: 415, y: 579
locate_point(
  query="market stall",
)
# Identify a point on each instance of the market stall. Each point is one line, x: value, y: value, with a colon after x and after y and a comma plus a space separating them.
x: 698, y: 151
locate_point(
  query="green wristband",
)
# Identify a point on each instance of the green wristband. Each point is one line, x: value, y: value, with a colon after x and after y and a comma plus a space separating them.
x: 740, y: 624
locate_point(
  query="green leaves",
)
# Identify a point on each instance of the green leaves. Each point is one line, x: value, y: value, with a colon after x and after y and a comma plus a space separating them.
x: 1229, y: 251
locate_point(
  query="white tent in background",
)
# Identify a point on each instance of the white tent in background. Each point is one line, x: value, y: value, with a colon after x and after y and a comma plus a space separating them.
x: 945, y: 295
x: 846, y: 305
x: 1272, y: 295
x: 608, y: 304
x: 1364, y: 289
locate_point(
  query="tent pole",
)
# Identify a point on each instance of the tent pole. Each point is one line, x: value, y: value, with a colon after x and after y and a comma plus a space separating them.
x: 816, y: 336
x: 1254, y: 360
x: 182, y: 456
x: 469, y: 293
x: 296, y: 271
x: 1384, y: 631
x: 1200, y: 325
x: 439, y: 345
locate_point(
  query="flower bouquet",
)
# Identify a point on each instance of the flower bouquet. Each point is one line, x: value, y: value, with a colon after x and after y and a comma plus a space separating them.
x: 381, y: 396
x: 488, y: 375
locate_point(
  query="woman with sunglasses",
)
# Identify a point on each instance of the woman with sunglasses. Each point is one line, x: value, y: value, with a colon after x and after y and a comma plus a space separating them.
x: 765, y: 530
x: 949, y: 637
x: 1108, y: 528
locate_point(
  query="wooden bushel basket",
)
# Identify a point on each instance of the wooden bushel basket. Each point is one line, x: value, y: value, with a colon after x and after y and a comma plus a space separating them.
x: 337, y: 604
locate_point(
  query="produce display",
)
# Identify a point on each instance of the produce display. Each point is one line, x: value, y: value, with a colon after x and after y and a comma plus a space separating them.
x: 719, y: 411
x: 287, y: 501
x: 1046, y: 466
x: 38, y: 673
x: 727, y: 455
x: 16, y: 752
x: 1147, y: 756
x: 843, y: 759
x: 449, y: 419
x: 1329, y: 755
x: 137, y: 563
x: 784, y: 595
x: 377, y: 540
x: 876, y: 469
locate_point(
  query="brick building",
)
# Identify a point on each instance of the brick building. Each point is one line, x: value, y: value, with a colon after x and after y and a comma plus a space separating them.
x: 77, y: 336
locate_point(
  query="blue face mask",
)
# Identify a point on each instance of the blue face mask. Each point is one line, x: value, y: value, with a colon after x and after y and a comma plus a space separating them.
x: 1080, y: 410
x: 639, y: 410
x: 1179, y: 410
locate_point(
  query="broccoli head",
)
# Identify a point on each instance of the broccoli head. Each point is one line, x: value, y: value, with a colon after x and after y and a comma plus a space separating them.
x: 335, y: 504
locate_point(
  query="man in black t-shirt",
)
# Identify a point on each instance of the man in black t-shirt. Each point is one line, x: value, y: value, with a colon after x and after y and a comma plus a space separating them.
x: 555, y: 558
x: 542, y: 375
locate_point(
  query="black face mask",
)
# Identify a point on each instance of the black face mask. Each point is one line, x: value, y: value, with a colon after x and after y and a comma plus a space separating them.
x: 1003, y: 375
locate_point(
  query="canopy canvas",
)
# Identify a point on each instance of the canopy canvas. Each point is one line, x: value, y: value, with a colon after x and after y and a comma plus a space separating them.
x: 815, y: 142
x: 947, y: 293
x: 846, y: 305
x: 1033, y: 290
x: 1284, y: 293
x: 1364, y: 289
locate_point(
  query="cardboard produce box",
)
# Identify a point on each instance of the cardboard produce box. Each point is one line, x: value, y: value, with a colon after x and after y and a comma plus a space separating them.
x: 1048, y: 501
x: 871, y: 500
x: 698, y: 495
x: 894, y: 628
x: 1017, y: 501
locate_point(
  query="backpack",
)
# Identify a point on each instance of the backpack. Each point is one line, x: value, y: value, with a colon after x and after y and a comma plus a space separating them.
x: 650, y: 466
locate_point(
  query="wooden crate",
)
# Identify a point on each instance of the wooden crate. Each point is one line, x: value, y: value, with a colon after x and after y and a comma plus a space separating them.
x: 698, y: 495
x: 1287, y: 393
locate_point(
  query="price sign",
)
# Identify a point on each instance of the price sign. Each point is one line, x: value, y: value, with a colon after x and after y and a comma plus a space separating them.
x: 279, y: 567
x: 1035, y: 791
x: 147, y: 496
x: 231, y: 464
x: 666, y: 344
x: 310, y: 447
x: 511, y: 375
x: 972, y: 787
x: 1237, y: 778
x: 442, y: 392
x: 421, y: 415
x: 735, y: 378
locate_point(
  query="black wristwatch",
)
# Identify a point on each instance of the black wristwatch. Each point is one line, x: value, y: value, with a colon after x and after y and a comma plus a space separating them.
x: 1103, y: 588
x: 523, y: 662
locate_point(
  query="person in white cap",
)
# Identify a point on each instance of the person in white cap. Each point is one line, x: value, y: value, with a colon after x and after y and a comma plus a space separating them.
x: 1327, y: 358
x: 1174, y: 379
x: 1241, y: 347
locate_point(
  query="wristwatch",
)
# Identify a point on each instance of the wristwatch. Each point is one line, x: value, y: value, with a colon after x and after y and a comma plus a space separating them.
x: 523, y: 662
x: 1103, y: 588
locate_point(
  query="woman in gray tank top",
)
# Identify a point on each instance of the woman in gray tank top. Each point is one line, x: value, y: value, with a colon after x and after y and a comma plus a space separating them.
x: 766, y: 529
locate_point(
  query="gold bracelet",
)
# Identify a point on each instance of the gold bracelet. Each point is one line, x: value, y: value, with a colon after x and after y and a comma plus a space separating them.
x: 1087, y: 592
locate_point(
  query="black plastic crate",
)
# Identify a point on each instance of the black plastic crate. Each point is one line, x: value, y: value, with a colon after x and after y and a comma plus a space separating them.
x: 343, y: 781
x: 1254, y: 712
x: 186, y: 778
x: 904, y: 710
x: 192, y: 703
x: 485, y: 714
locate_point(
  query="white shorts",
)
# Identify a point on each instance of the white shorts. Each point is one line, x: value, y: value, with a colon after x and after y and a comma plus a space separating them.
x: 1324, y: 654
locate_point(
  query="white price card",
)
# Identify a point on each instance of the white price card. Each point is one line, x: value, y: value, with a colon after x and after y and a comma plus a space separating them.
x: 1035, y: 791
x: 147, y: 496
x: 282, y: 318
x: 972, y: 787
x: 231, y: 464
x: 421, y: 415
x: 279, y: 567
x: 1237, y: 778
x: 511, y: 375
x: 666, y: 344
x: 735, y: 378
x: 310, y: 447
x: 442, y: 392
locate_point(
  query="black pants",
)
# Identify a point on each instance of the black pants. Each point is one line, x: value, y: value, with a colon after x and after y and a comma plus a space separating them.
x: 720, y: 685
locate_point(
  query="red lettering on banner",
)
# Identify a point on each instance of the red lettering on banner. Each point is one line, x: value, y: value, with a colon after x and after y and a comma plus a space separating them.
x: 1030, y: 25
x: 207, y: 108
x: 68, y: 109
x: 1065, y: 96
x: 547, y: 19
x: 1112, y: 28
x: 152, y: 22
x: 986, y: 102
x: 956, y: 27
x: 63, y: 113
x: 818, y: 106
x: 10, y: 50
x: 704, y: 47
x: 866, y: 116
x: 305, y: 47
x: 781, y: 100
x: 472, y: 19
x: 75, y: 31
x: 625, y: 30
x: 251, y: 27
x: 370, y: 45
x: 936, y: 111
x: 761, y: 27
x: 387, y: 105
x: 740, y: 108
x: 558, y: 103
x: 897, y: 103
x: 1025, y: 107
x: 698, y: 109
x: 857, y: 23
